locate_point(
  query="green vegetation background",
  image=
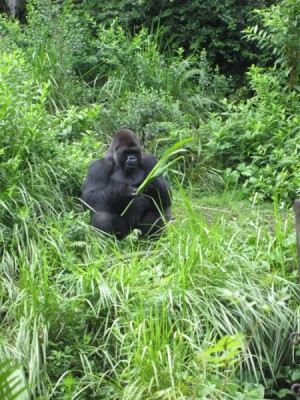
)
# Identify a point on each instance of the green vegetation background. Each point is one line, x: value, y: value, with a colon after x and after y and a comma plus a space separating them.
x: 206, y: 311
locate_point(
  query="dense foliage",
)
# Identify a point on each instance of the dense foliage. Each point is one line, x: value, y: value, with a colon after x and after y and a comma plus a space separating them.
x: 258, y: 140
x: 206, y: 310
x: 195, y: 25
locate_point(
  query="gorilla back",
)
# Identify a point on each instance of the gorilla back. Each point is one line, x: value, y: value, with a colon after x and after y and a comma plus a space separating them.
x: 111, y: 183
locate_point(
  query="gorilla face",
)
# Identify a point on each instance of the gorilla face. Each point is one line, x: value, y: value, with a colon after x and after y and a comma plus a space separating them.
x: 127, y: 158
x: 126, y: 150
x: 131, y: 161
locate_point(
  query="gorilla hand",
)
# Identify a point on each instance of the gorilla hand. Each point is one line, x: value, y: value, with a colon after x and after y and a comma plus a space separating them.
x: 132, y: 192
x: 150, y: 189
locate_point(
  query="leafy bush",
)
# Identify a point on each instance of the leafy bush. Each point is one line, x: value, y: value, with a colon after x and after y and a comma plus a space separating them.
x: 56, y: 42
x: 256, y: 142
x: 280, y: 36
x: 138, y: 62
x: 39, y: 150
x: 213, y: 25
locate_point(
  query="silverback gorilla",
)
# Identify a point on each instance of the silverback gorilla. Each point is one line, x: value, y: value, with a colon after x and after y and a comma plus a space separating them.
x: 111, y: 184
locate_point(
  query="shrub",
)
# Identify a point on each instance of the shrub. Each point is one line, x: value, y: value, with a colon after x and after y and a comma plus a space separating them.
x: 56, y: 43
x: 39, y: 151
x: 256, y: 141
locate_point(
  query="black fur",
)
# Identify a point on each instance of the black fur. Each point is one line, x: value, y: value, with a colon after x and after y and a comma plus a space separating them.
x: 111, y: 184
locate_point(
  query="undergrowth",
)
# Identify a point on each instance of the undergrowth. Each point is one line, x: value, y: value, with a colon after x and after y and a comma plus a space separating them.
x: 204, y: 311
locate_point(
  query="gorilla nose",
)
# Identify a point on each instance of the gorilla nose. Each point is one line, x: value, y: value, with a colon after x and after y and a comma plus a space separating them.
x: 131, y: 161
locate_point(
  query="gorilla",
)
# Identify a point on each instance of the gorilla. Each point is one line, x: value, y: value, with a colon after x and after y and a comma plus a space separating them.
x: 111, y: 183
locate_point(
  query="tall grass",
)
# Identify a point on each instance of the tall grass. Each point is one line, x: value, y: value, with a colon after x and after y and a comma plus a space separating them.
x: 89, y: 316
x: 12, y: 382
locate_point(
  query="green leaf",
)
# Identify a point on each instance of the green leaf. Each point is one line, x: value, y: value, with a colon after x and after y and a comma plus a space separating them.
x: 283, y: 393
x: 11, y: 382
x: 296, y: 375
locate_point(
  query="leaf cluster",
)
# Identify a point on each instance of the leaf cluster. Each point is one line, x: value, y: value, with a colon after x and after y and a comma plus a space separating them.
x: 212, y: 25
x: 257, y: 141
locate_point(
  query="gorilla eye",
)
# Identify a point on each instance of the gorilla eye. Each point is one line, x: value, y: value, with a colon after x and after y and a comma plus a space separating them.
x: 116, y: 148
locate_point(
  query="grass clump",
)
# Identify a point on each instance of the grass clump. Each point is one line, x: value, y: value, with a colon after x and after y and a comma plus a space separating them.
x: 89, y: 316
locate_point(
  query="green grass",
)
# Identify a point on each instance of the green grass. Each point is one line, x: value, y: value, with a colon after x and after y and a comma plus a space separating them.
x: 86, y: 315
x: 203, y: 312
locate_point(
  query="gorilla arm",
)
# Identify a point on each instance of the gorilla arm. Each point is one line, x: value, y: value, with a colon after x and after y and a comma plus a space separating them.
x: 159, y: 188
x: 101, y: 192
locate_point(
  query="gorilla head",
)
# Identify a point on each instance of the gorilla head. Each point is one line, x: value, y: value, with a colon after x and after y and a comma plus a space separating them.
x: 126, y: 151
